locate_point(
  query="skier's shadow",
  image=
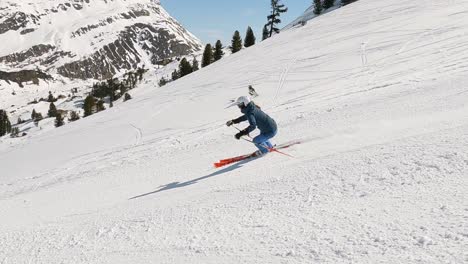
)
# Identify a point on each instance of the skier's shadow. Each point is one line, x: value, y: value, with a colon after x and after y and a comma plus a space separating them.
x: 175, y: 185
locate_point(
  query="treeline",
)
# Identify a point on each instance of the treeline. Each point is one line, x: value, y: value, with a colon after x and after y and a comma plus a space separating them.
x: 213, y: 53
x: 106, y: 91
x: 111, y: 90
x: 210, y: 55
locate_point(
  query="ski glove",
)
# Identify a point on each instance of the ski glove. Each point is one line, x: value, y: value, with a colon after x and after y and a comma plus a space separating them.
x: 229, y: 123
x: 240, y: 134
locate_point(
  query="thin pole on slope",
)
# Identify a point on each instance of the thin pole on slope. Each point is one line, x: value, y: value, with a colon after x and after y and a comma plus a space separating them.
x: 263, y: 145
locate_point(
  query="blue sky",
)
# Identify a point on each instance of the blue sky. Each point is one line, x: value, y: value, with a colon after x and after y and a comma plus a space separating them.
x: 211, y: 20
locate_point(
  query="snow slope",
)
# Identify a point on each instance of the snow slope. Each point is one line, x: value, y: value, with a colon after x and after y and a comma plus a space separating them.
x: 309, y: 15
x: 378, y: 88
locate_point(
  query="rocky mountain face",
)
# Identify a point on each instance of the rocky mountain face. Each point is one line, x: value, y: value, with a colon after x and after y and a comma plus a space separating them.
x: 89, y: 39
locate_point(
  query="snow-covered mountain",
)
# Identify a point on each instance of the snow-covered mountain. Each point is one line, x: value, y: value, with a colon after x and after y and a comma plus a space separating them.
x: 89, y: 38
x: 378, y: 88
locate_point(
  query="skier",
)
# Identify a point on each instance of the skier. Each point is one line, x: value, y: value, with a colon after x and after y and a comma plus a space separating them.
x: 257, y: 119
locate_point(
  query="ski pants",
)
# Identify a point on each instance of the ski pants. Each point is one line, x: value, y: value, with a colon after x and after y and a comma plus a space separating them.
x: 262, y: 141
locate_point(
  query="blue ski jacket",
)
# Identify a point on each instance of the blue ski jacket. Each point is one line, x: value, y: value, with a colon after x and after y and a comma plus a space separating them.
x: 257, y: 118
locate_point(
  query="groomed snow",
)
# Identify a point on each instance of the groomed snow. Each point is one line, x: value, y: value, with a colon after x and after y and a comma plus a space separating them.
x: 378, y: 87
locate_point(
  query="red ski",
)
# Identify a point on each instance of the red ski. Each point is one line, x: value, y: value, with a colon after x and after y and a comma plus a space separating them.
x: 228, y: 161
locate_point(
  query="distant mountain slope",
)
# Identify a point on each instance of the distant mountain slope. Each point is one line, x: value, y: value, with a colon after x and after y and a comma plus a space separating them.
x: 89, y: 39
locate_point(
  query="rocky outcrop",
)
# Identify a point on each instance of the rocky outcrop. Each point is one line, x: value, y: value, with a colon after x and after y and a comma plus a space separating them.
x: 123, y: 53
x: 35, y: 51
x: 21, y: 77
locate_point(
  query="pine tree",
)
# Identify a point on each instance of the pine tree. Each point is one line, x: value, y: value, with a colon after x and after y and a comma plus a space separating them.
x: 207, y: 56
x: 236, y: 43
x: 127, y: 97
x: 218, y: 51
x: 112, y: 85
x: 100, y: 90
x: 265, y: 33
x: 328, y: 3
x: 33, y: 114
x: 89, y: 105
x: 52, y: 110
x: 122, y: 88
x: 100, y: 106
x: 51, y: 98
x: 249, y: 38
x: 175, y: 75
x: 140, y: 72
x: 59, y: 120
x: 185, y: 68
x: 318, y: 7
x: 5, y: 125
x: 276, y: 10
x: 195, y: 64
x: 162, y: 82
x: 14, y: 132
x: 38, y: 118
x: 74, y: 116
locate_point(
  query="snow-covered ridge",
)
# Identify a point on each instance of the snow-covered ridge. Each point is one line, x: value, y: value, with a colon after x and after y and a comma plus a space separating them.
x: 89, y: 39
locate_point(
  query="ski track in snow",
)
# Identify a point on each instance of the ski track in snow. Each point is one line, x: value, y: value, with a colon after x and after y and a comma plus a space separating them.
x: 382, y: 177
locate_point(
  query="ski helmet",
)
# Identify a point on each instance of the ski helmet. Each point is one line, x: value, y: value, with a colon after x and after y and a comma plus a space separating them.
x: 243, y: 101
